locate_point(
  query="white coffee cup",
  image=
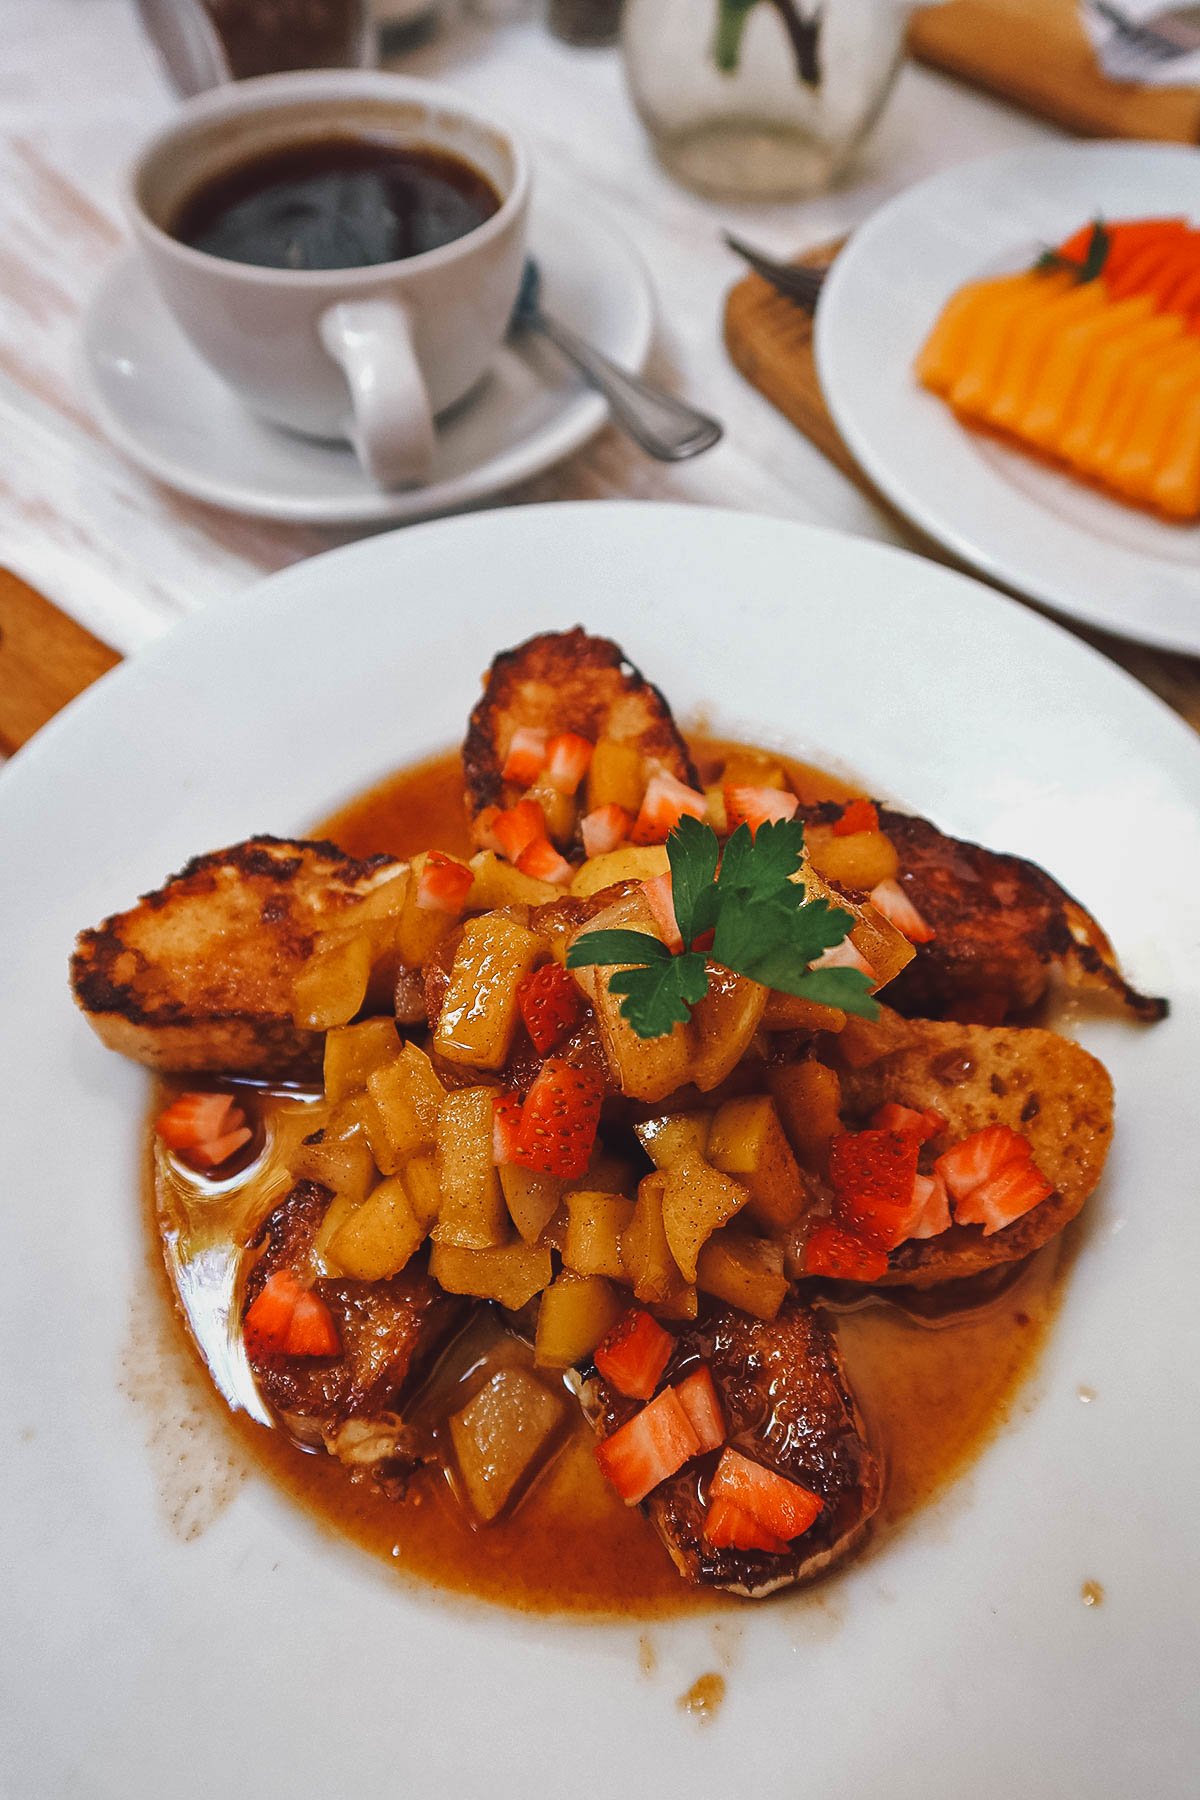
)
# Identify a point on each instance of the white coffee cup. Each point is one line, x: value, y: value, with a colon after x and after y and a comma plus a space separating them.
x: 368, y: 354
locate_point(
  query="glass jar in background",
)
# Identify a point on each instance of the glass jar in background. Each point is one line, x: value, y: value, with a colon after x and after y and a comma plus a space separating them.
x: 584, y: 22
x: 263, y: 37
x: 760, y: 99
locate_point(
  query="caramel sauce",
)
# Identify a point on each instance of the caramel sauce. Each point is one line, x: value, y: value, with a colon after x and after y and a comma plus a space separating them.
x: 935, y: 1379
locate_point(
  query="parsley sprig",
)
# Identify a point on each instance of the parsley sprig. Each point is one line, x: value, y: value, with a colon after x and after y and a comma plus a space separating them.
x: 1099, y: 244
x: 762, y: 926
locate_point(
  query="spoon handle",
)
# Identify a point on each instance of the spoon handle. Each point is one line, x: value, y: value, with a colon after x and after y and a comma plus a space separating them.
x: 664, y: 426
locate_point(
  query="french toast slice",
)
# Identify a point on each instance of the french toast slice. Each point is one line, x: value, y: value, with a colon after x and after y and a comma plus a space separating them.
x: 566, y: 681
x: 787, y: 1405
x: 1042, y: 1085
x: 198, y: 975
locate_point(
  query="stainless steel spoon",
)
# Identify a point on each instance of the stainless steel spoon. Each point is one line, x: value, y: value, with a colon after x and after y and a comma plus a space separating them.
x: 664, y: 426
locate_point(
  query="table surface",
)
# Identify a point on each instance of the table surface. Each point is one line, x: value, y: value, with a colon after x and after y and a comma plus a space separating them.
x: 79, y: 89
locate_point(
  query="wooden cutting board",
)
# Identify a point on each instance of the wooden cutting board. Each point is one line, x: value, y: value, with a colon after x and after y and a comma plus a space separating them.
x: 1036, y: 54
x: 769, y: 339
x: 45, y: 660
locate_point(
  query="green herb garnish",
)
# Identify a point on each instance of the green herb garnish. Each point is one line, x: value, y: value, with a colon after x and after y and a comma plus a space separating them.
x: 763, y: 927
x: 1093, y: 262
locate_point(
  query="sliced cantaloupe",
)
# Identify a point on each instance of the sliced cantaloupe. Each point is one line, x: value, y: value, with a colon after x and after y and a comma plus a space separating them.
x: 1036, y: 331
x: 1176, y: 486
x: 1128, y: 399
x: 1142, y: 452
x: 941, y: 360
x: 986, y: 341
x: 1102, y: 381
x: 1052, y: 398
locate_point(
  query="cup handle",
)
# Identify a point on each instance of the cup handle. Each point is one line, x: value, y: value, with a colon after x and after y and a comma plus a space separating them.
x: 392, y: 423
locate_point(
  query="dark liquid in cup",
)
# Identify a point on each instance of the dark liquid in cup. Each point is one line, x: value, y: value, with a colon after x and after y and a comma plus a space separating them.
x: 336, y: 203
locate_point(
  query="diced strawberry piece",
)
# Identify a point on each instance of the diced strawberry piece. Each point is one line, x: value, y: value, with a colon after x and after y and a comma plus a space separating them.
x: 567, y: 758
x: 287, y: 1319
x: 968, y: 1164
x: 215, y: 1151
x: 506, y: 1127
x: 654, y: 1444
x: 857, y: 815
x: 634, y: 1354
x: 665, y: 802
x: 559, y: 1120
x: 526, y: 757
x: 541, y: 860
x: 1017, y: 1189
x: 700, y: 1401
x: 549, y: 1002
x: 782, y: 1506
x: 931, y: 1207
x: 839, y: 1255
x: 661, y: 900
x: 517, y: 827
x: 193, y: 1119
x: 312, y: 1331
x: 921, y: 1125
x: 845, y: 955
x: 890, y: 899
x: 443, y: 884
x: 483, y: 830
x: 728, y: 1527
x: 871, y: 1173
x: 755, y: 806
x: 604, y: 828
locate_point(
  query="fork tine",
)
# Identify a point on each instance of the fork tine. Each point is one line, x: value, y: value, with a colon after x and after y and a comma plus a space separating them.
x: 803, y: 285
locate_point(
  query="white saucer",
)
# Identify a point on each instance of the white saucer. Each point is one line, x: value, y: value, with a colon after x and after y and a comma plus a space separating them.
x: 165, y: 409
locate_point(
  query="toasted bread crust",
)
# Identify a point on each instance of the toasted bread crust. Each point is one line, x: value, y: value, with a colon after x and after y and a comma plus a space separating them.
x: 1003, y: 928
x: 566, y: 681
x: 1042, y: 1085
x: 198, y: 976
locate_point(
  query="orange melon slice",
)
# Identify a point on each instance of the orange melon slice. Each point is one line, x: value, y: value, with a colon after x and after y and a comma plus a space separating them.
x: 1101, y: 385
x: 941, y: 360
x: 1032, y: 339
x: 1053, y: 396
x: 1141, y: 454
x: 1176, y: 486
x: 989, y: 335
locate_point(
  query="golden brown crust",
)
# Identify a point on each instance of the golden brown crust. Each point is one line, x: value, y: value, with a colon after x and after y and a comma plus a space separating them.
x: 566, y: 681
x: 1036, y: 1082
x: 1003, y: 930
x: 198, y: 975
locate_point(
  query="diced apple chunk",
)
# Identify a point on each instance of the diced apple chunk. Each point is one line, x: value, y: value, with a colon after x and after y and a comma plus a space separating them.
x: 697, y: 1200
x: 616, y: 776
x: 573, y: 1316
x: 423, y: 1185
x: 644, y: 1068
x: 645, y: 1252
x: 332, y: 985
x: 532, y: 1198
x: 473, y: 1215
x: 633, y: 862
x: 747, y: 1140
x: 808, y: 1096
x: 353, y: 1051
x: 498, y: 883
x: 676, y: 1135
x: 408, y: 1098
x: 501, y: 1437
x: 723, y: 1025
x: 380, y: 1235
x: 345, y: 1166
x: 479, y: 1014
x: 419, y: 929
x: 743, y: 1271
x: 857, y: 861
x: 595, y: 1223
x: 510, y: 1275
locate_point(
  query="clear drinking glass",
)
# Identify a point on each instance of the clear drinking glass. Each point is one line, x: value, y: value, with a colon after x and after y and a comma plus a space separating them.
x: 760, y: 99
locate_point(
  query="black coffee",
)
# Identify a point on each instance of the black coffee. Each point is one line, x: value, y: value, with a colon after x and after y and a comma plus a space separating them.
x: 336, y: 203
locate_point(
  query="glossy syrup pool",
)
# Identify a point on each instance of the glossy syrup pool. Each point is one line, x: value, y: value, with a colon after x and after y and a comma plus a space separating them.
x: 935, y: 1383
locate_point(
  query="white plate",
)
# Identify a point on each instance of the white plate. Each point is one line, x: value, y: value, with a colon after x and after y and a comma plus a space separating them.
x: 1019, y: 521
x: 164, y: 407
x: 263, y: 1658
